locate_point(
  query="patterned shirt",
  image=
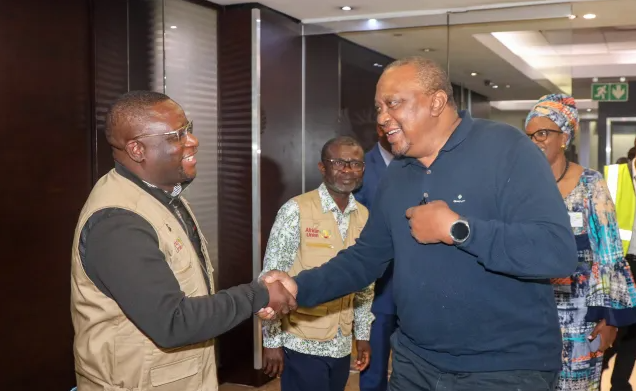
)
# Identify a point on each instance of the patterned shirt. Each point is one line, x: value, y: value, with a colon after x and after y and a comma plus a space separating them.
x: 280, y: 254
x: 601, y: 283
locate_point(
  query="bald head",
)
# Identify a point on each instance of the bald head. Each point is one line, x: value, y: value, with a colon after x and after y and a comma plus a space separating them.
x: 128, y: 113
x: 430, y: 75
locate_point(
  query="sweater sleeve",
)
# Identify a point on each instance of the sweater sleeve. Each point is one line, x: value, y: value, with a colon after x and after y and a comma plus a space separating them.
x: 533, y: 239
x: 354, y: 268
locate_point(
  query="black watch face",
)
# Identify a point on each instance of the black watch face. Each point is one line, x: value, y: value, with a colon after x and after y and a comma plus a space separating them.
x: 460, y: 231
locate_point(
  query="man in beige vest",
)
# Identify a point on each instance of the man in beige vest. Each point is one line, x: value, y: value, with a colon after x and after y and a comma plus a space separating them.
x: 311, y: 347
x: 142, y: 295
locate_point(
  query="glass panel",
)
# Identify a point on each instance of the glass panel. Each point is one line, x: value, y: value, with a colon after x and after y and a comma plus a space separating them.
x: 145, y: 45
x: 623, y: 138
x: 191, y: 80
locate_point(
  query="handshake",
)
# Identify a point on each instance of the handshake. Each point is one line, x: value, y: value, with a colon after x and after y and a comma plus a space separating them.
x: 282, y: 294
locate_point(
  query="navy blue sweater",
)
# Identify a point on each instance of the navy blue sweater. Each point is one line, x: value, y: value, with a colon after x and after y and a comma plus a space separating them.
x: 486, y: 305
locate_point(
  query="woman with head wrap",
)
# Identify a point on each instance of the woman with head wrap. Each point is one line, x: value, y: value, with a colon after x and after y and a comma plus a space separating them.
x: 598, y: 298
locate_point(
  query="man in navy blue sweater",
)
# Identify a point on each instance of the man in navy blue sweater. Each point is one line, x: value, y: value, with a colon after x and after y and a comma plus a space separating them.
x: 476, y: 226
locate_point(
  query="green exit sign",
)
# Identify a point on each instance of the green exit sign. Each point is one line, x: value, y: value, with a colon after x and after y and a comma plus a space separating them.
x: 610, y: 92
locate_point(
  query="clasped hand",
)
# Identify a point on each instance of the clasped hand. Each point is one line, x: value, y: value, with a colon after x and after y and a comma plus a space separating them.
x: 431, y: 223
x: 282, y: 294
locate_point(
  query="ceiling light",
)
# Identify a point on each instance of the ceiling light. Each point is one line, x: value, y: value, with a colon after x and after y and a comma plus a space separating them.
x: 588, y: 110
x: 346, y: 8
x: 473, y: 73
x: 427, y: 50
x: 589, y: 16
x: 572, y: 16
x: 595, y: 79
x: 173, y: 27
x: 373, y: 21
x: 507, y: 85
x: 495, y: 86
x: 622, y: 79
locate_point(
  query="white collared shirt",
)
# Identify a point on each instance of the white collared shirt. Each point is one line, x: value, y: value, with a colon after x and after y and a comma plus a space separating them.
x: 386, y: 155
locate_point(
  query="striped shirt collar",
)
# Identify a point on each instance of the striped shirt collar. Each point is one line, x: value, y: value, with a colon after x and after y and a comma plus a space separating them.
x: 175, y: 190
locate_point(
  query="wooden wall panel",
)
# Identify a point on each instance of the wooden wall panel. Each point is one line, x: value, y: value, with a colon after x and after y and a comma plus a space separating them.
x: 45, y: 124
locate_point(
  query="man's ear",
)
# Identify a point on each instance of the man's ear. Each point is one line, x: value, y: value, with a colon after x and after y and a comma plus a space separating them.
x: 438, y: 103
x: 136, y: 151
x: 322, y: 168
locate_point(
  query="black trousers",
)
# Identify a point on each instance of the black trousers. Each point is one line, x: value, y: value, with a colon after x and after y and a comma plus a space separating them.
x: 412, y: 373
x: 375, y: 377
x: 304, y: 372
x: 624, y: 349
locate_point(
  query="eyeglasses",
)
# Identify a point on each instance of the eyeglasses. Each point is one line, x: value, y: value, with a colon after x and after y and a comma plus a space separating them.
x: 542, y: 134
x: 340, y: 164
x: 181, y: 134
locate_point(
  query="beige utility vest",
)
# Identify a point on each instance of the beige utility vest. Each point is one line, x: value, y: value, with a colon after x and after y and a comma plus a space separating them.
x: 320, y: 240
x: 111, y: 354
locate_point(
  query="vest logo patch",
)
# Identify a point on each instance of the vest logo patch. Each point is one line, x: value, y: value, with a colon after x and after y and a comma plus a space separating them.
x: 325, y: 234
x: 312, y: 232
x: 178, y: 245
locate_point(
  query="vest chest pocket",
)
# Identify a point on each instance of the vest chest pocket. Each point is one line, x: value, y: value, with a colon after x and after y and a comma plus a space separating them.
x: 317, y: 240
x: 181, y: 262
x: 186, y: 279
x: 315, y: 253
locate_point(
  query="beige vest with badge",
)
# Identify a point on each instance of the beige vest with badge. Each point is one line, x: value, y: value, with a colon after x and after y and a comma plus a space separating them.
x: 111, y: 354
x: 320, y: 240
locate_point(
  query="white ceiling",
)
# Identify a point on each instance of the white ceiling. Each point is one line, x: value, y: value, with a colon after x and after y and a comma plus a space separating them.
x: 538, y: 49
x: 551, y: 53
x: 311, y: 11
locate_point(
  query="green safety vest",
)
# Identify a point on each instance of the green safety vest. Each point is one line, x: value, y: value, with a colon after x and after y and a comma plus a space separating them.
x: 621, y: 186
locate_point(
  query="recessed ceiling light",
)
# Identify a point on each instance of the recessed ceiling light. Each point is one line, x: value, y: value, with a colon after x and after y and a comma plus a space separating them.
x: 373, y: 20
x: 622, y: 79
x: 173, y: 27
x: 589, y: 16
x: 495, y: 86
x: 595, y: 79
x: 427, y: 50
x: 346, y: 8
x: 572, y: 16
x: 473, y: 73
x: 507, y: 85
x: 588, y: 110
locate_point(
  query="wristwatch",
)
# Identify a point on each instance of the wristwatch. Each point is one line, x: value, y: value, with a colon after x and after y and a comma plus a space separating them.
x: 459, y: 231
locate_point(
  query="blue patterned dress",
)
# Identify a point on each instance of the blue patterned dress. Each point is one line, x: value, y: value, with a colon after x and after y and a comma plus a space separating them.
x: 601, y: 286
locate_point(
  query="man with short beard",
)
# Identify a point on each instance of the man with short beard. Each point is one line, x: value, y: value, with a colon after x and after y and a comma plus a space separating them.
x: 310, y: 348
x: 476, y: 227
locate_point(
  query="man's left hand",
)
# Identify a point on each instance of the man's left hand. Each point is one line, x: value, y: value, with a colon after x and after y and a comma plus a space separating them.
x: 364, y: 355
x: 431, y: 223
x: 608, y: 335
